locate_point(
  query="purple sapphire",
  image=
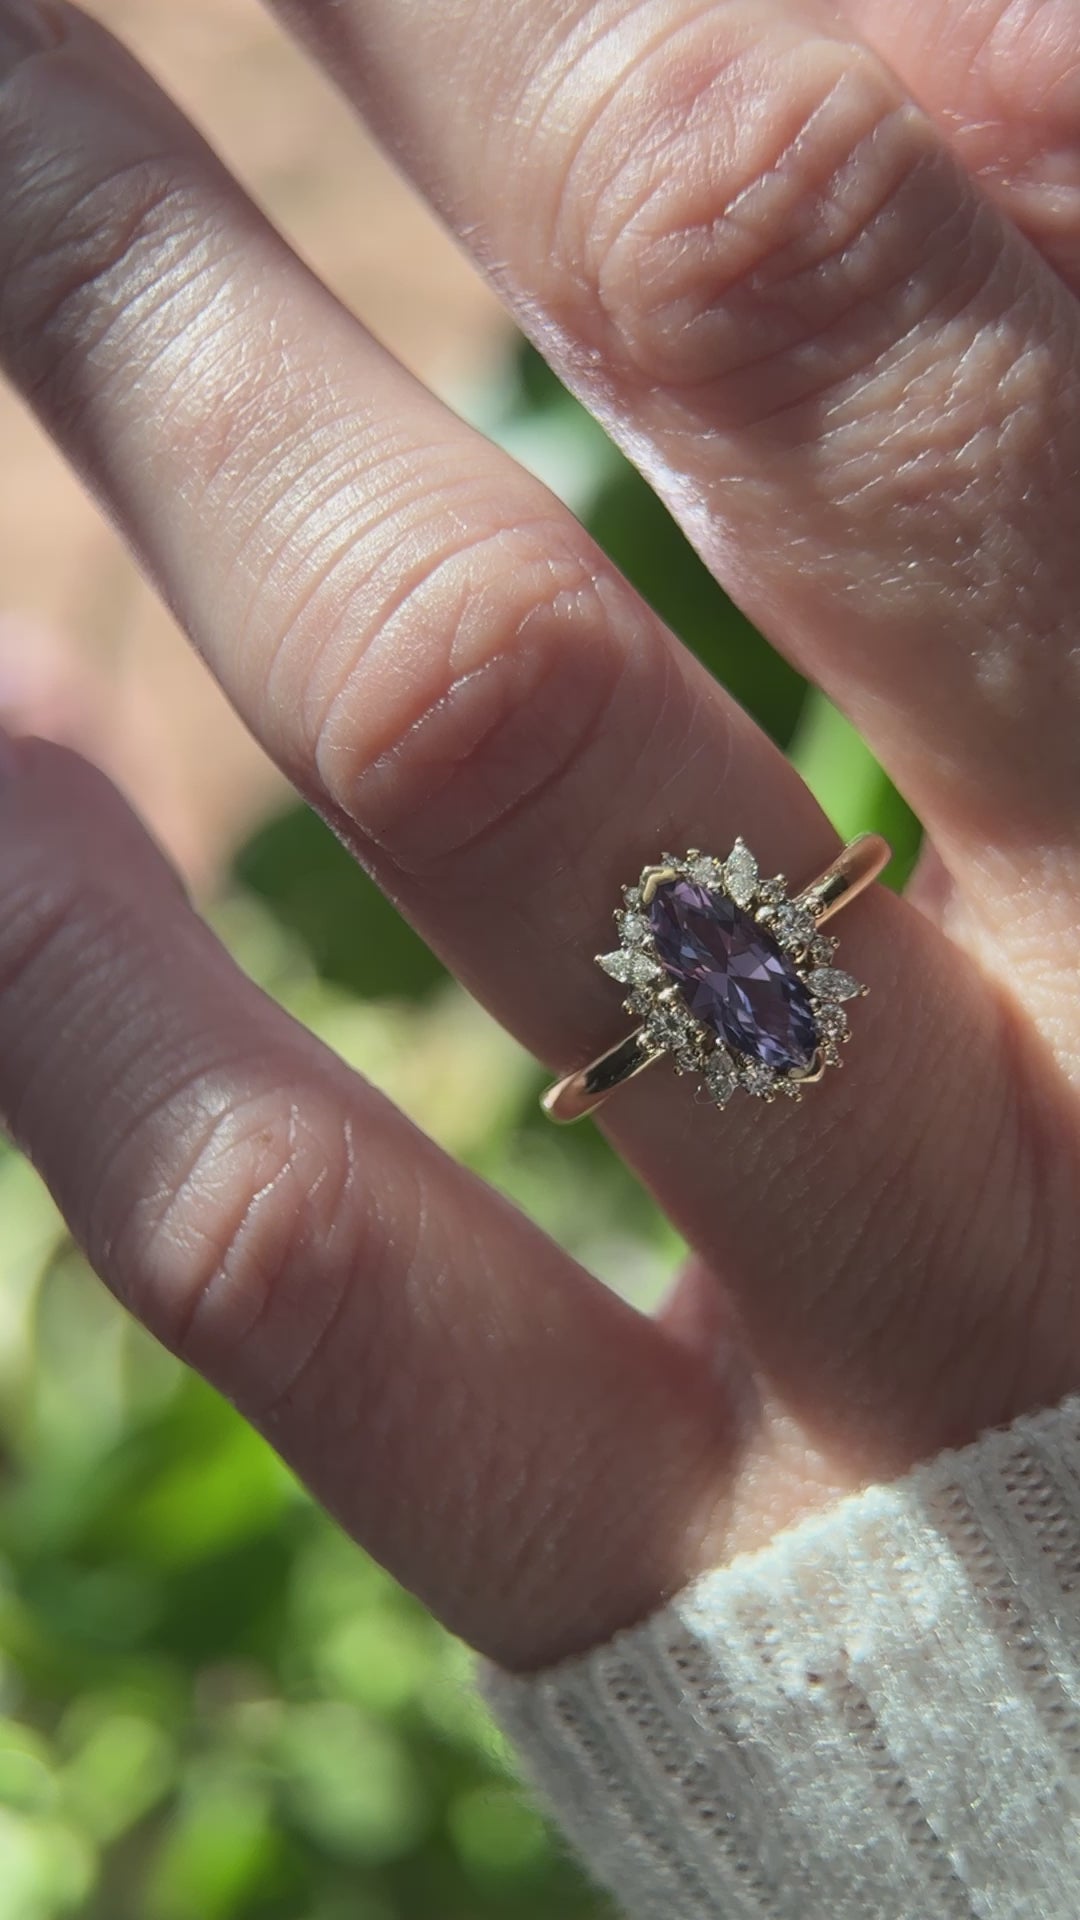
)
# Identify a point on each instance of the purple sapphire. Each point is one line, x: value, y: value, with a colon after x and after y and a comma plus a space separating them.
x: 733, y: 976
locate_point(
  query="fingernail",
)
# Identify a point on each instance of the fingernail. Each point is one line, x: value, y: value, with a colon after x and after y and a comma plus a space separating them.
x: 26, y: 27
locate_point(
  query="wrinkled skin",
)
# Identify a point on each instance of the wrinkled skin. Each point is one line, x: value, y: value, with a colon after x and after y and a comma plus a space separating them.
x: 839, y: 331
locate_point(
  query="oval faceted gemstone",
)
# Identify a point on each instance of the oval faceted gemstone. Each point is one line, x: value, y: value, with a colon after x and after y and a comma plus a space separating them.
x: 733, y: 975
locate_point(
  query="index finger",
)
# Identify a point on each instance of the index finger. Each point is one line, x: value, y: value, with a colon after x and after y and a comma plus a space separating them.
x: 516, y: 1444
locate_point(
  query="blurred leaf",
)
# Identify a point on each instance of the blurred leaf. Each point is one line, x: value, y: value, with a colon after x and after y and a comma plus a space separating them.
x: 451, y: 1707
x: 380, y: 1659
x: 89, y: 1370
x: 48, y: 1868
x: 32, y: 1232
x: 221, y: 1853
x: 851, y: 787
x: 120, y: 1770
x: 641, y: 537
x: 314, y: 886
x: 446, y: 1063
x: 350, y: 1782
x: 496, y: 1832
x: 27, y: 1781
x: 197, y: 1508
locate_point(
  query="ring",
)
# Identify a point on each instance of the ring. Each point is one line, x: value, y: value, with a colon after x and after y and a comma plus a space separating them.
x: 730, y: 976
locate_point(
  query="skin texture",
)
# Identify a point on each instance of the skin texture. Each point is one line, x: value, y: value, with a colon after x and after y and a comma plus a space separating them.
x: 827, y: 304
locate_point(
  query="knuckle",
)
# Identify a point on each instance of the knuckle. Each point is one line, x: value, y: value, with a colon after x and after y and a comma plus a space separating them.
x: 107, y: 260
x: 49, y: 961
x: 739, y: 200
x: 57, y: 930
x: 247, y: 1228
x: 66, y: 916
x: 512, y: 659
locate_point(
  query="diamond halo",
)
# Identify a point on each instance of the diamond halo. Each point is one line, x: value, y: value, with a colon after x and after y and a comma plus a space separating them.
x: 669, y: 1023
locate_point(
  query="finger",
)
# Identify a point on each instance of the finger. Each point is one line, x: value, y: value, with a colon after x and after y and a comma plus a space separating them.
x: 416, y: 630
x: 1000, y: 78
x: 461, y: 683
x: 746, y: 249
x: 528, y: 1454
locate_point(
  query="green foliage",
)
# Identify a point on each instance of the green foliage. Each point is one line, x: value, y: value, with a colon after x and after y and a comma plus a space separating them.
x: 354, y: 936
x: 212, y: 1705
x: 215, y: 1704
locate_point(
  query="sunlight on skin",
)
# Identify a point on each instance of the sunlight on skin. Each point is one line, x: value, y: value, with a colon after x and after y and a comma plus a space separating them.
x: 853, y: 383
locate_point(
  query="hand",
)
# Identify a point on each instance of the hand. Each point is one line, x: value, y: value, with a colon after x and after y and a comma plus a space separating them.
x: 819, y: 319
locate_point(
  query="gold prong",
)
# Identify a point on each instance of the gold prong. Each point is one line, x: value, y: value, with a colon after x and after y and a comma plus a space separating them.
x: 653, y: 877
x: 814, y: 1072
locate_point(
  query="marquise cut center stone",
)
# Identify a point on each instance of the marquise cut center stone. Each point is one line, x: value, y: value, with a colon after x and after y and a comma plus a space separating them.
x: 733, y: 976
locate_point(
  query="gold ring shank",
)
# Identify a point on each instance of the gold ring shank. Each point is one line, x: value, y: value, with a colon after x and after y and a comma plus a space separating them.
x: 580, y: 1092
x: 856, y: 866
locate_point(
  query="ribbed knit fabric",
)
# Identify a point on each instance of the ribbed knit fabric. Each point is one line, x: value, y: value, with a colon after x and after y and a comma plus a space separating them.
x: 876, y: 1717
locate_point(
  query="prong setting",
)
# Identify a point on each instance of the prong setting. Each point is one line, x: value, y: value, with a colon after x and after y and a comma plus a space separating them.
x: 653, y: 877
x: 670, y: 1025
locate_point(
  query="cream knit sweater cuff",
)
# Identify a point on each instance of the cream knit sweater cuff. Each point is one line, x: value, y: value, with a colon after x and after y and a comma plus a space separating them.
x: 877, y: 1717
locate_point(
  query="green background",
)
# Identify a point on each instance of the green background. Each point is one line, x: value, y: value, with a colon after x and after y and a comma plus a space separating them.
x: 212, y: 1704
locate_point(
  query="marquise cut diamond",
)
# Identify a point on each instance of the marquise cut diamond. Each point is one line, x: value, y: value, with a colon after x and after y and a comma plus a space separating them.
x: 630, y: 969
x: 720, y: 1076
x: 741, y: 874
x: 832, y: 983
